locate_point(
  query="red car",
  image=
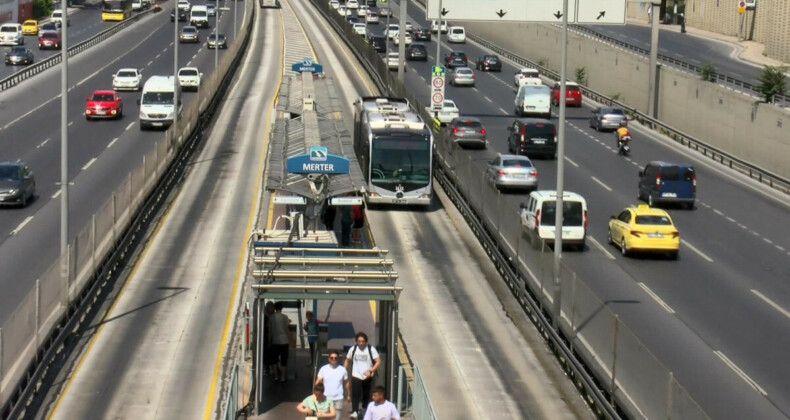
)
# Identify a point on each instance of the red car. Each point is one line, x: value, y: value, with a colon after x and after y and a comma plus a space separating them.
x: 573, y: 94
x: 103, y: 104
x: 49, y: 40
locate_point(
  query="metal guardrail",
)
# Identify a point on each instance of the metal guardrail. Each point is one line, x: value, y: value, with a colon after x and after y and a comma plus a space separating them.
x: 36, y: 68
x: 721, y: 78
x: 747, y: 168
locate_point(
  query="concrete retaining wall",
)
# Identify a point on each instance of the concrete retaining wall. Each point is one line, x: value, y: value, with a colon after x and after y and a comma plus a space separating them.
x: 721, y: 117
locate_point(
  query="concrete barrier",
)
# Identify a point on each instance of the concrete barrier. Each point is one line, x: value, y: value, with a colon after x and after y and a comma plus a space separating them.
x: 726, y: 119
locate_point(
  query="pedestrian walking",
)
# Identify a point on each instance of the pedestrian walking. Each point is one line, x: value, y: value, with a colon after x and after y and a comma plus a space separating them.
x: 345, y: 226
x: 357, y: 223
x: 335, y: 380
x: 311, y: 328
x: 317, y: 404
x: 364, y: 361
x: 380, y: 408
x: 281, y: 339
x: 329, y: 217
x: 268, y: 357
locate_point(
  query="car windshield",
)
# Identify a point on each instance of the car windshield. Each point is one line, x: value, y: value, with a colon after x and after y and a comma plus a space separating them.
x: 48, y: 26
x: 158, y: 98
x: 653, y: 220
x: 464, y: 71
x: 613, y: 111
x: 9, y: 173
x: 18, y: 50
x: 188, y: 72
x: 102, y: 97
x: 49, y: 35
x: 126, y: 74
x: 189, y: 30
x: 198, y: 13
x: 458, y: 31
x: 571, y: 213
x: 7, y: 29
x: 516, y: 163
x: 539, y: 131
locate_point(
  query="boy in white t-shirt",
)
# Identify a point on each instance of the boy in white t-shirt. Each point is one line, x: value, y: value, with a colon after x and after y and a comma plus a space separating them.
x: 380, y: 408
x: 335, y: 380
x: 365, y: 360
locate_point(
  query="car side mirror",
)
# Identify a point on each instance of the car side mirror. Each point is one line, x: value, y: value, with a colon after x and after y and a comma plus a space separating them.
x: 138, y: 102
x: 201, y: 75
x: 641, y: 174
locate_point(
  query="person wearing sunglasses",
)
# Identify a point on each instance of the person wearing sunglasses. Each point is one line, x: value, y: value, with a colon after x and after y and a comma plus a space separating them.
x: 335, y: 380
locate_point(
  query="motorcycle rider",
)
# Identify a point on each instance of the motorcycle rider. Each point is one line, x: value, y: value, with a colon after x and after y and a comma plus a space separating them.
x: 622, y: 131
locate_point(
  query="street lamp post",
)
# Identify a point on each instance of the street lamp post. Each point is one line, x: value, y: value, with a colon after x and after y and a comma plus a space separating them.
x: 216, y: 35
x: 64, y: 147
x: 175, y: 78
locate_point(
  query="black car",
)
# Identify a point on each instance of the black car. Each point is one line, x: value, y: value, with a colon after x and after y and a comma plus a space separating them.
x: 19, y: 55
x: 353, y: 19
x: 17, y: 184
x: 455, y: 59
x: 416, y: 52
x: 379, y: 43
x: 371, y: 3
x: 182, y: 15
x: 489, y: 62
x: 422, y: 34
x: 532, y: 136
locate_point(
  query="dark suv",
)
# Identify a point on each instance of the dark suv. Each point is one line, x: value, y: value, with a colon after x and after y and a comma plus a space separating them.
x: 489, y: 62
x: 379, y: 43
x: 417, y: 52
x: 532, y: 136
x: 455, y: 59
x: 17, y: 184
x: 422, y: 34
x: 666, y: 182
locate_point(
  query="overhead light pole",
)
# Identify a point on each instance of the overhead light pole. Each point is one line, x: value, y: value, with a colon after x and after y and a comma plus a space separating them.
x: 175, y: 78
x: 216, y: 36
x: 64, y: 148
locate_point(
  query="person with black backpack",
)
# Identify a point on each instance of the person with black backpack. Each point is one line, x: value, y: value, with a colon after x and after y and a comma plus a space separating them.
x: 364, y: 361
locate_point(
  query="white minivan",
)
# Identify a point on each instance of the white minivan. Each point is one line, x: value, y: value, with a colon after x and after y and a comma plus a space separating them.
x: 533, y: 100
x: 157, y: 102
x: 11, y: 34
x: 538, y: 215
x: 198, y: 16
x: 456, y: 34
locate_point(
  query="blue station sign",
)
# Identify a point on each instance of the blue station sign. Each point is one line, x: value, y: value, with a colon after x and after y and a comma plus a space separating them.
x: 317, y: 161
x: 307, y: 65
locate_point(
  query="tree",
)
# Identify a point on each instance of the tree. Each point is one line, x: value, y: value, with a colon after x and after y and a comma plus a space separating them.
x: 772, y: 82
x: 42, y: 8
x: 708, y: 72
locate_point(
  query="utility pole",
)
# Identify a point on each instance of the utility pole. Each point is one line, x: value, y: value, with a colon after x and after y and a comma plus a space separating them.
x: 65, y: 268
x: 556, y: 312
x: 402, y: 39
x: 652, y: 94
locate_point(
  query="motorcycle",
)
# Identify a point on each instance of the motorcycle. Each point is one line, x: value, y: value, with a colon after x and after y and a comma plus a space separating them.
x: 623, y: 147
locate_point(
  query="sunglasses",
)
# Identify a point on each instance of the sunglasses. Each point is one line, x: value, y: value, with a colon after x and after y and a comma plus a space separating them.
x: 333, y: 358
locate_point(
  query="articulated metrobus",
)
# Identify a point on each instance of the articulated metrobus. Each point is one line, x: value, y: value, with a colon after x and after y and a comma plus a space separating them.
x: 394, y: 148
x: 116, y: 10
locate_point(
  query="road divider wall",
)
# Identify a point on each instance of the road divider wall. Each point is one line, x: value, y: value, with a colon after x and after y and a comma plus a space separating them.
x: 37, y: 328
x: 735, y: 123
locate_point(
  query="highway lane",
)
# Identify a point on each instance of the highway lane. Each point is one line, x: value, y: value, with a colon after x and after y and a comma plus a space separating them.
x: 709, y: 297
x: 693, y: 49
x: 116, y: 146
x: 159, y: 351
x: 85, y: 23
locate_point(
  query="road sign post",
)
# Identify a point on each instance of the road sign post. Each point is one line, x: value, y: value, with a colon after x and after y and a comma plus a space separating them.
x: 437, y: 87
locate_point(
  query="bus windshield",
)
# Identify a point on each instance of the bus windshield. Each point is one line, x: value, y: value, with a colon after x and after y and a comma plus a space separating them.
x: 113, y: 5
x: 402, y: 159
x: 157, y: 98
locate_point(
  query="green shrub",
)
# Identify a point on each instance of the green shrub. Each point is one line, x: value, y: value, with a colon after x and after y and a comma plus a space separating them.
x: 772, y: 82
x: 42, y: 8
x: 709, y: 72
x: 581, y: 76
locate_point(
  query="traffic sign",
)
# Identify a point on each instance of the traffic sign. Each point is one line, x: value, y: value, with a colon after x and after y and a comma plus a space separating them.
x: 307, y: 65
x: 741, y: 7
x: 345, y: 201
x: 289, y: 199
x: 438, y: 71
x: 545, y: 11
x: 437, y: 82
x: 437, y: 99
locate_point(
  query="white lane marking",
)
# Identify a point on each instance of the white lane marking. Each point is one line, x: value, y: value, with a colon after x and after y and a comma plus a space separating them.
x: 656, y: 298
x: 487, y: 99
x: 779, y: 247
x: 775, y: 305
x: 731, y: 219
x: 87, y: 165
x: 475, y: 89
x: 21, y: 225
x: 768, y: 240
x: 40, y: 145
x: 571, y: 162
x: 57, y: 193
x: 705, y: 204
x: 601, y: 183
x: 112, y: 142
x: 693, y: 248
x: 70, y: 123
x: 742, y: 226
x: 601, y: 247
x: 717, y: 211
x: 740, y: 373
x: 503, y: 110
x: 131, y: 124
x: 149, y: 63
x: 157, y: 56
x: 635, y: 163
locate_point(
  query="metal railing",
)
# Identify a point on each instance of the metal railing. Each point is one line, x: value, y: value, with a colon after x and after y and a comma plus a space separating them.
x: 35, y: 331
x: 413, y: 395
x: 720, y: 78
x: 36, y: 68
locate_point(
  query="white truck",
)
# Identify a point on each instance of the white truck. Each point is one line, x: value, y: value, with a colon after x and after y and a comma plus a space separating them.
x: 157, y: 107
x: 198, y: 16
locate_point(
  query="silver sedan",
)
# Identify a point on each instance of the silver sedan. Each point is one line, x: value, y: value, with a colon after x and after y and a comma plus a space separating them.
x: 462, y: 76
x: 607, y: 118
x: 512, y: 172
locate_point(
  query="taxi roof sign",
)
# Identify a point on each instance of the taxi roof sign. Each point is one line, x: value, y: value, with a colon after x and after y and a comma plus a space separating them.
x: 307, y: 65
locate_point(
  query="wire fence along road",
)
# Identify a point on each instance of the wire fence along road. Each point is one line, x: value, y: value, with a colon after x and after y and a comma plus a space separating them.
x: 720, y: 78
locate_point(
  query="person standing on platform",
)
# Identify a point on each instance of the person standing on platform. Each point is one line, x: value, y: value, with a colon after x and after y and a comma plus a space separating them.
x: 345, y: 226
x: 380, y: 408
x: 358, y: 223
x: 281, y: 339
x: 329, y: 217
x: 335, y: 380
x: 311, y: 328
x: 364, y: 361
x: 268, y: 350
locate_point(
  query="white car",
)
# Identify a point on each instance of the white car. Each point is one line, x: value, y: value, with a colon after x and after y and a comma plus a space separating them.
x: 360, y: 28
x: 361, y: 10
x: 352, y: 4
x: 57, y: 18
x: 448, y: 111
x: 11, y: 34
x: 392, y: 60
x: 184, y: 5
x: 127, y: 79
x: 392, y: 30
x: 334, y: 4
x: 406, y: 39
x: 456, y: 34
x: 189, y: 77
x: 527, y: 76
x: 341, y: 10
x: 435, y: 26
x: 409, y: 26
x: 371, y: 17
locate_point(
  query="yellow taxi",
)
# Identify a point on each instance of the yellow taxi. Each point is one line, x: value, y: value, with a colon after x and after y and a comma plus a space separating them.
x: 30, y: 27
x: 644, y: 229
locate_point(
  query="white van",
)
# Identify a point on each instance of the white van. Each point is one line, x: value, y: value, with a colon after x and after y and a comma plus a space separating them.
x: 137, y: 5
x: 533, y: 100
x: 538, y: 215
x: 11, y: 34
x: 57, y: 18
x: 156, y: 102
x: 456, y: 34
x: 527, y: 76
x: 198, y: 16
